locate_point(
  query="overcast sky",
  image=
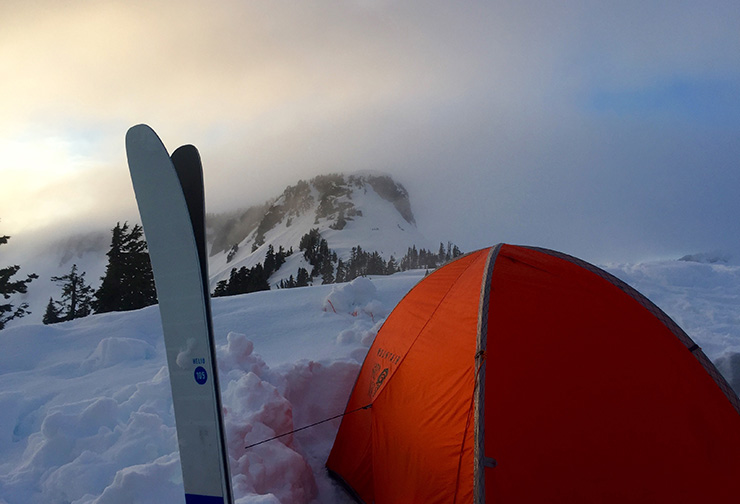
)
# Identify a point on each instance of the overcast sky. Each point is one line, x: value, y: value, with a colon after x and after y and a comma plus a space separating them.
x: 611, y: 132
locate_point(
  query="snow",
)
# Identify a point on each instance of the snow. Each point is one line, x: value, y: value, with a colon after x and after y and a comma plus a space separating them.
x: 380, y: 228
x: 86, y: 412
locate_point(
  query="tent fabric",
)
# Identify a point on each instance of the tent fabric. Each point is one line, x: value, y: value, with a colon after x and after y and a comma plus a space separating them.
x: 428, y: 404
x: 631, y: 415
x: 517, y: 374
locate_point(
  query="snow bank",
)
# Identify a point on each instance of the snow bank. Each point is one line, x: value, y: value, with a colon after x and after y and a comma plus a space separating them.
x: 86, y: 412
x: 151, y: 483
x: 254, y: 411
x: 112, y: 351
x: 261, y: 404
x: 80, y: 448
x: 357, y: 299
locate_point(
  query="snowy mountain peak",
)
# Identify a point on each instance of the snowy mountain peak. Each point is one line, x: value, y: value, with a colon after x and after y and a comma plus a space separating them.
x: 368, y: 210
x: 331, y: 199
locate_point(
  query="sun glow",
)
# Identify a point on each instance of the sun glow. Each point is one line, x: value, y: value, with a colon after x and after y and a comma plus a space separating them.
x: 33, y: 178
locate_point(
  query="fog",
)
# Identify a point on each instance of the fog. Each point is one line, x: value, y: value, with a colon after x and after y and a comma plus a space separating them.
x: 608, y: 132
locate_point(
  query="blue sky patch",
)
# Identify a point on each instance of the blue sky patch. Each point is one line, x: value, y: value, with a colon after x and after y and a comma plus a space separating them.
x: 681, y: 98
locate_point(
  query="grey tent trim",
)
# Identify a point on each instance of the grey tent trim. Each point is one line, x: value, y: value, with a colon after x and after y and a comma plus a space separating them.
x: 479, y: 434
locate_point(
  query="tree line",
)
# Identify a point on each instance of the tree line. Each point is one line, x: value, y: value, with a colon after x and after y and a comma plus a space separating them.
x: 330, y: 269
x: 326, y: 265
x: 256, y: 278
x: 128, y: 282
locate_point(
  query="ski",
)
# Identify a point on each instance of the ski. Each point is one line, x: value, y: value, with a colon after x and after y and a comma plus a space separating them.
x: 170, y: 196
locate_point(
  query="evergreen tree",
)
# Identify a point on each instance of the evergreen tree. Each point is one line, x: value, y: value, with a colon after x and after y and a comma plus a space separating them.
x: 8, y: 287
x: 376, y: 265
x: 392, y: 266
x: 76, y: 295
x: 411, y: 259
x: 222, y: 288
x: 341, y: 274
x: 316, y: 251
x: 287, y: 284
x: 303, y: 278
x: 327, y: 273
x: 453, y: 251
x: 310, y: 245
x: 128, y: 283
x: 257, y: 279
x: 280, y: 256
x: 237, y: 281
x: 243, y: 281
x: 422, y: 258
x: 427, y: 259
x: 232, y: 252
x: 52, y: 314
x: 270, y: 260
x: 357, y: 264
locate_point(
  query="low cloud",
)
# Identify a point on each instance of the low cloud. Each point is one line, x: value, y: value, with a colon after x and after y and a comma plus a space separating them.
x: 492, y: 115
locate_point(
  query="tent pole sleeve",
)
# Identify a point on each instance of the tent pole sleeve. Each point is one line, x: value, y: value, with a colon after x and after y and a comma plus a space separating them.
x: 480, y: 377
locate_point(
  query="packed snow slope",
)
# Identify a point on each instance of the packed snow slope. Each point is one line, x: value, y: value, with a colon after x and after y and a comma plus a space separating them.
x: 86, y: 412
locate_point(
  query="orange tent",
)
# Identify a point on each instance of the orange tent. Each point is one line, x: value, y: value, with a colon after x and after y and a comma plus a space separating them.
x: 519, y: 375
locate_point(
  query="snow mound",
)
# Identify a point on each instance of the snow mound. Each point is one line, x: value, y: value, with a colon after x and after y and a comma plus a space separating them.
x: 14, y: 409
x: 112, y: 351
x: 359, y: 295
x: 358, y: 299
x: 80, y: 447
x: 256, y: 411
x: 142, y: 483
x: 260, y: 408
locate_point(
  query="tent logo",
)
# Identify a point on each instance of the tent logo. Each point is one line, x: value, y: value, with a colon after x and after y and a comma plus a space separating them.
x: 377, y: 379
x: 386, y: 354
x: 379, y: 373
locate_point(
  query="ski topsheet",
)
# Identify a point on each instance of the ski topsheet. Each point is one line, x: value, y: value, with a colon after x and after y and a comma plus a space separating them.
x: 169, y: 193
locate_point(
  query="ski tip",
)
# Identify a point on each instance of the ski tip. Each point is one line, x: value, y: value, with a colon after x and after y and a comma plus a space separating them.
x: 140, y: 129
x: 142, y: 136
x: 186, y: 151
